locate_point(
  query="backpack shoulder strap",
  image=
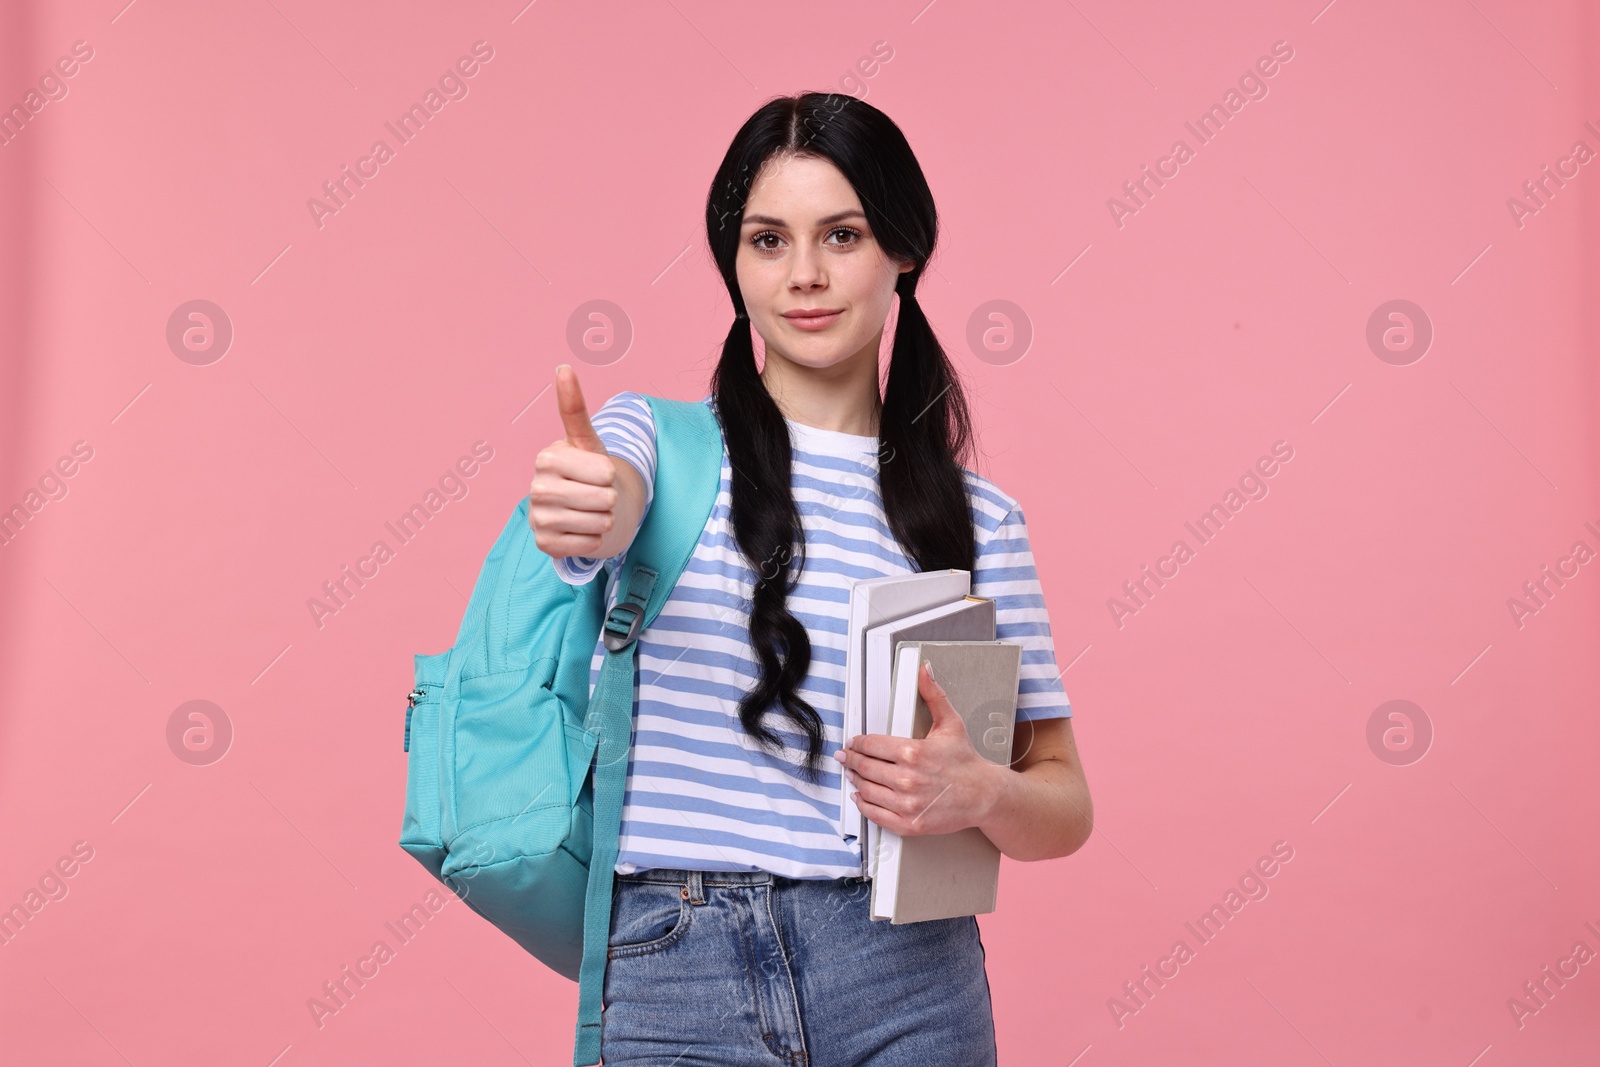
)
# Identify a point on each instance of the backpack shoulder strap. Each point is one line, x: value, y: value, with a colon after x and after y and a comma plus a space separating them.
x: 688, y: 479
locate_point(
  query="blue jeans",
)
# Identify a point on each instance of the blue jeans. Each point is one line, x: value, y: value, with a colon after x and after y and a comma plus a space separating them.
x: 739, y: 969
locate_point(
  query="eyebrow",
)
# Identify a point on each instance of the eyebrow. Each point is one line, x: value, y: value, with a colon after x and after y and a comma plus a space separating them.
x: 768, y: 220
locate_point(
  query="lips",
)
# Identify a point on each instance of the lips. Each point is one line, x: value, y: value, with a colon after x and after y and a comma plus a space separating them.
x: 813, y: 318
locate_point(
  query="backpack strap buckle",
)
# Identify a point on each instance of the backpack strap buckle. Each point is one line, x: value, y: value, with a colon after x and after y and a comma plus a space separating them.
x: 623, y: 620
x: 619, y: 632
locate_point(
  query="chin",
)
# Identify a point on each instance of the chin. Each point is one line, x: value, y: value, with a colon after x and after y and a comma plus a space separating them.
x: 818, y: 358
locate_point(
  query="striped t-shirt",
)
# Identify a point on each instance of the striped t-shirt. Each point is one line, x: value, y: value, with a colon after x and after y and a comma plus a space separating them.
x: 701, y: 794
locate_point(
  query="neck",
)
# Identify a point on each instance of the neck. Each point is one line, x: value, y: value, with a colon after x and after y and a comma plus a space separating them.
x: 843, y: 397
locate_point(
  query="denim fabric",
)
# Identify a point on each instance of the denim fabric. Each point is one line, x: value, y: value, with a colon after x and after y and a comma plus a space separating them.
x: 739, y: 969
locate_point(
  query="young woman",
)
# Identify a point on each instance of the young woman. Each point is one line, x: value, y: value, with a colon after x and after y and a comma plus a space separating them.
x: 740, y: 930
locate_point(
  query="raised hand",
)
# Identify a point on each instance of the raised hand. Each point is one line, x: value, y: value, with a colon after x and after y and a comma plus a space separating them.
x: 572, y: 501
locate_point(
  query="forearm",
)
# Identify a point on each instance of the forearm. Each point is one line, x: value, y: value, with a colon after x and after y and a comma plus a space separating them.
x: 1038, y: 813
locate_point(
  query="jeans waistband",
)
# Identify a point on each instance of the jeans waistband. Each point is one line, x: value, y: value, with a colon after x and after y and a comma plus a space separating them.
x: 695, y: 881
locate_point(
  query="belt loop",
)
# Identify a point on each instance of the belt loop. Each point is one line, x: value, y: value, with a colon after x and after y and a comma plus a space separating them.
x: 696, y: 888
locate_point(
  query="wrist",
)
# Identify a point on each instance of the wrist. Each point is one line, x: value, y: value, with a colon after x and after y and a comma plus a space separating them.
x: 994, y: 794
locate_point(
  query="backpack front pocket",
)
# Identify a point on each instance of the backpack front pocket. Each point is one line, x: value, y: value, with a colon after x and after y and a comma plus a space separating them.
x: 509, y: 760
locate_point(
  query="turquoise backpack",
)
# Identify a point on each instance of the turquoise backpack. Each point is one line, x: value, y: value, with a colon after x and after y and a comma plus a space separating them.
x: 514, y: 774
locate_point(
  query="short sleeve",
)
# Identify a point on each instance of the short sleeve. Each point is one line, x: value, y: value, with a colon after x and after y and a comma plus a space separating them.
x: 1006, y: 574
x: 627, y: 428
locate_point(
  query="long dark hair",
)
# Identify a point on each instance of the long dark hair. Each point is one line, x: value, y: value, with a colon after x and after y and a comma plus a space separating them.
x: 923, y: 426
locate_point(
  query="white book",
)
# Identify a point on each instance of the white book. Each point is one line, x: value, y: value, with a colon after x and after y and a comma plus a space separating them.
x: 873, y: 601
x: 941, y: 876
x: 885, y: 857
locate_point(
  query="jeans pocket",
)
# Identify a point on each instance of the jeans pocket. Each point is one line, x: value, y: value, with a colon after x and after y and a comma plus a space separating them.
x: 647, y: 917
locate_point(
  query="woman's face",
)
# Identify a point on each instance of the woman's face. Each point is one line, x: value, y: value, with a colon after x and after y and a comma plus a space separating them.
x: 804, y: 245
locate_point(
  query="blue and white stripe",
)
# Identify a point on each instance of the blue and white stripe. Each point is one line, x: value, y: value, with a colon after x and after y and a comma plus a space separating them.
x: 700, y: 793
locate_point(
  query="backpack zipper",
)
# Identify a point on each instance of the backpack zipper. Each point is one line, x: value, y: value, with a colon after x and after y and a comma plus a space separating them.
x: 411, y: 705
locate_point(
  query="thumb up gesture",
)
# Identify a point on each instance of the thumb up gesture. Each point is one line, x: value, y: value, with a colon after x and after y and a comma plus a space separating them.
x: 583, y: 501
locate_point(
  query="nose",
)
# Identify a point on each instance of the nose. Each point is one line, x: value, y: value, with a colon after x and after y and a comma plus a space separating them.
x: 806, y: 268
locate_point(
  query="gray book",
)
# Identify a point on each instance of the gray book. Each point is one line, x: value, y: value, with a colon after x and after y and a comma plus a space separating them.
x: 967, y: 618
x: 942, y: 876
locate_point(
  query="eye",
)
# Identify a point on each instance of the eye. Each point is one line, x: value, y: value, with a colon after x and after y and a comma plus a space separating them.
x: 851, y: 236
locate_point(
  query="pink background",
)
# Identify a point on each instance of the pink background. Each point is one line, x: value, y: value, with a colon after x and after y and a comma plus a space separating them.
x: 1228, y: 313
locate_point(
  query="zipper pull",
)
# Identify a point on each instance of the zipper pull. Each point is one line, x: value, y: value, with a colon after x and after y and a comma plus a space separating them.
x: 411, y: 705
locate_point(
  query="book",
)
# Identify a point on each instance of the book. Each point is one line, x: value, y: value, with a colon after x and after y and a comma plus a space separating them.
x: 874, y: 601
x: 967, y: 619
x: 942, y: 876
